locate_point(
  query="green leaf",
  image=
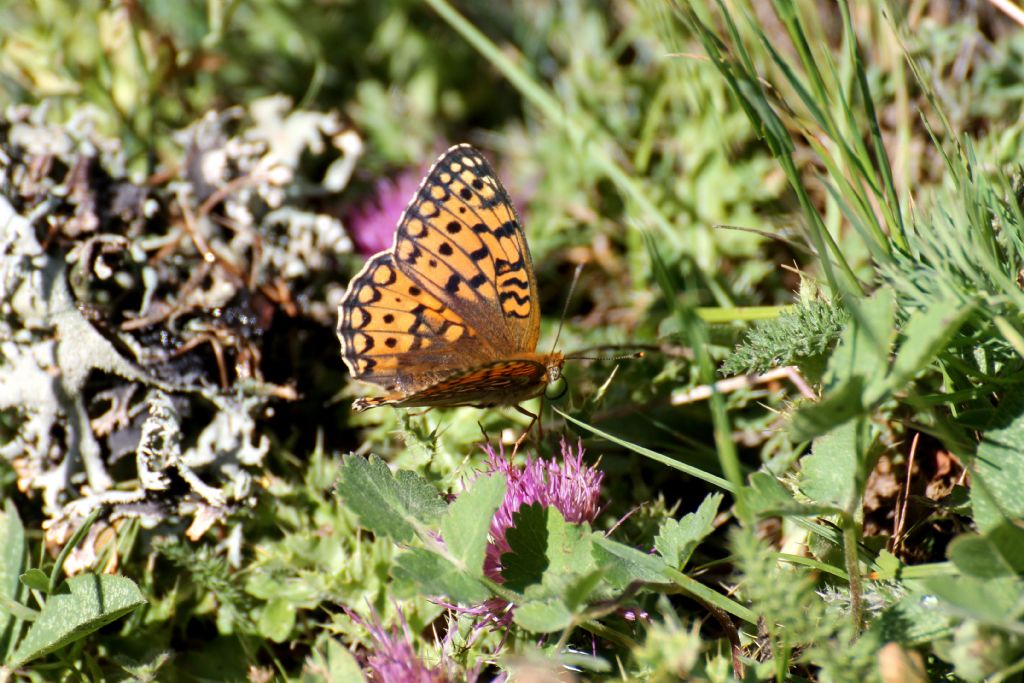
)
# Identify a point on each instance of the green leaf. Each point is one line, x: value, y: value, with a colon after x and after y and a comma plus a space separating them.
x: 436, y: 576
x: 996, y: 491
x: 528, y: 539
x: 12, y: 563
x: 676, y: 540
x: 386, y: 504
x: 277, y: 620
x: 917, y: 618
x: 543, y: 617
x: 830, y: 473
x: 887, y: 566
x: 331, y: 661
x: 36, y: 579
x: 926, y: 333
x: 979, y: 651
x: 840, y: 405
x: 863, y: 350
x: 465, y: 528
x: 579, y: 590
x: 857, y: 372
x: 545, y: 549
x: 994, y: 601
x: 999, y: 552
x: 81, y: 605
x: 626, y: 565
x: 767, y: 493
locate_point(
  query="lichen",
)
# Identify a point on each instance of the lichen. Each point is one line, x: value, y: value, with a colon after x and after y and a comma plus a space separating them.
x: 134, y: 311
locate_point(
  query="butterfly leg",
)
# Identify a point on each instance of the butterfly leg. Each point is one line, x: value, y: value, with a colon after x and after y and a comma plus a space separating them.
x: 483, y: 431
x: 420, y: 413
x: 533, y: 419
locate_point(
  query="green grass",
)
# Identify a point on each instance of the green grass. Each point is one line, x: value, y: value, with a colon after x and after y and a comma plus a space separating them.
x: 752, y: 185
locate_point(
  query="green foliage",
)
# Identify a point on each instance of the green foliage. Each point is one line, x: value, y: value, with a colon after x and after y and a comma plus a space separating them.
x: 856, y: 152
x: 801, y: 336
x: 396, y: 506
x: 996, y: 496
x: 677, y: 539
x: 68, y: 611
x: 78, y: 607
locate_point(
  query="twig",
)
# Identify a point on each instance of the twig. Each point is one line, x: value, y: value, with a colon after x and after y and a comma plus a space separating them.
x: 1009, y: 9
x: 901, y: 514
x: 731, y: 384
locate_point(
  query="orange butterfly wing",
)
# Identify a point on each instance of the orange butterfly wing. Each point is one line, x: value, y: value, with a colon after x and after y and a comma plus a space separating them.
x: 438, y: 318
x: 462, y: 240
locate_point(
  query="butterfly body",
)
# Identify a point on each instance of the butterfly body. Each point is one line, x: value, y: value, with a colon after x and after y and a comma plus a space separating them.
x: 449, y: 315
x: 501, y: 383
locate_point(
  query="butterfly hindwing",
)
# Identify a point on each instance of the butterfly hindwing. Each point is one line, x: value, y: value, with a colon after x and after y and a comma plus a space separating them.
x: 498, y: 383
x: 397, y: 335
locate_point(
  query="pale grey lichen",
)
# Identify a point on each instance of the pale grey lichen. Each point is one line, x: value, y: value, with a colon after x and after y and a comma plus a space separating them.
x: 129, y: 308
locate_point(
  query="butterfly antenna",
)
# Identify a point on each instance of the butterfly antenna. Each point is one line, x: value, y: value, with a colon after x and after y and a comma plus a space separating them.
x: 625, y: 356
x: 565, y: 308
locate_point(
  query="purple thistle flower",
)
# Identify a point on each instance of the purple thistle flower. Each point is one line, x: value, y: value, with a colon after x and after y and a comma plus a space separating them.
x: 372, y: 224
x: 393, y: 659
x: 569, y: 486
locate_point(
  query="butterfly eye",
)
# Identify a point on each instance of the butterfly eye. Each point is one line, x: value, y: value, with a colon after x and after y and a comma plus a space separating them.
x: 557, y: 387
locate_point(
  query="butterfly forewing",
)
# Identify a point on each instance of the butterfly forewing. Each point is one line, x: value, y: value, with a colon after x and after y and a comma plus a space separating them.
x: 449, y: 316
x: 462, y: 241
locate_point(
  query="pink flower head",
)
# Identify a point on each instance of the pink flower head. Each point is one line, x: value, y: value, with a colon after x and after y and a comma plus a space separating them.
x: 393, y: 659
x: 570, y: 486
x: 372, y: 224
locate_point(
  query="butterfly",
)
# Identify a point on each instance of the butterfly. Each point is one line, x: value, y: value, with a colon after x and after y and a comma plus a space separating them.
x: 449, y: 315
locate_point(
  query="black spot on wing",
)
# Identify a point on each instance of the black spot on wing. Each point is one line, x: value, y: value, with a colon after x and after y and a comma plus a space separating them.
x: 452, y: 286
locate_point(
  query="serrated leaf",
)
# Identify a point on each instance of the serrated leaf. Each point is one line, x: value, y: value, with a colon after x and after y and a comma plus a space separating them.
x: 528, y: 538
x: 543, y: 617
x: 81, y: 605
x: 386, y: 504
x: 545, y: 549
x: 466, y: 526
x: 916, y: 618
x: 830, y: 473
x: 12, y: 564
x: 331, y: 661
x: 436, y: 576
x: 999, y: 552
x: 996, y: 491
x: 677, y: 539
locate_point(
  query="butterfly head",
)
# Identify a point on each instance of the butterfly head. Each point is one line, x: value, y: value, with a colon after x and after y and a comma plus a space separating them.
x: 555, y: 386
x: 554, y: 363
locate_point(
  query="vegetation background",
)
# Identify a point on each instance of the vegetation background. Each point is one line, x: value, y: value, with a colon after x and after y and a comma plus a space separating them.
x: 807, y: 214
